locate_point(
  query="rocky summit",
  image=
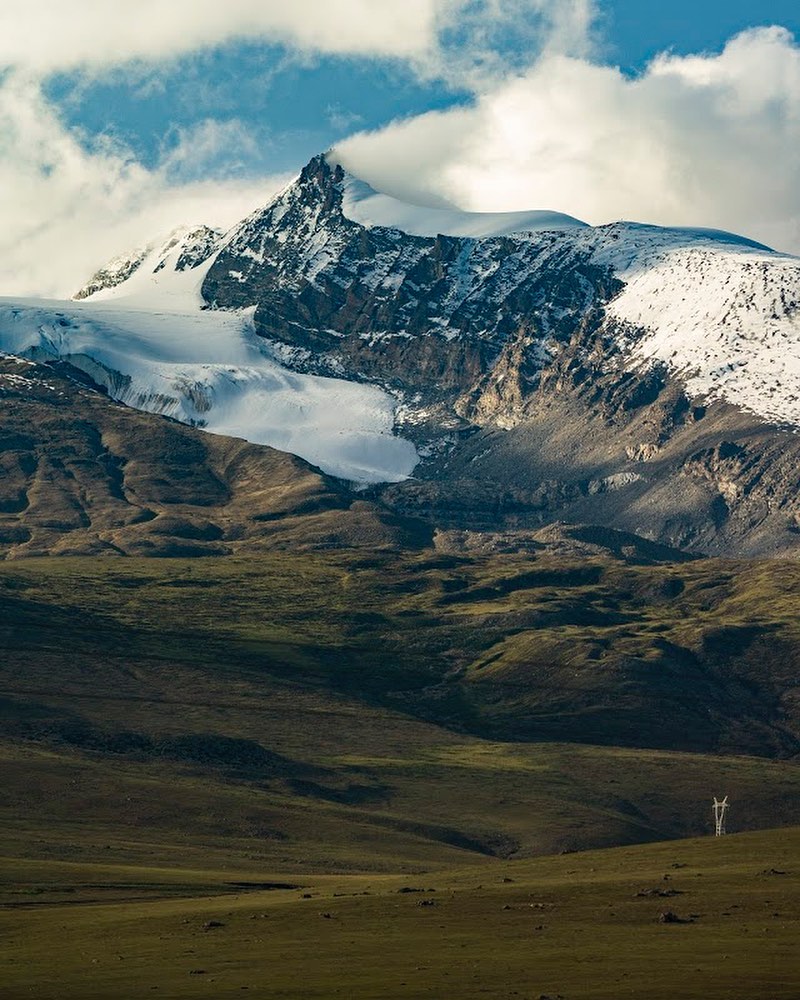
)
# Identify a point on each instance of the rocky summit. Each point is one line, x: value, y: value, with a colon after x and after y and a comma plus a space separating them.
x: 545, y: 374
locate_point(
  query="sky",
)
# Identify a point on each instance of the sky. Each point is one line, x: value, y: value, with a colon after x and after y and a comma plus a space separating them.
x: 118, y: 124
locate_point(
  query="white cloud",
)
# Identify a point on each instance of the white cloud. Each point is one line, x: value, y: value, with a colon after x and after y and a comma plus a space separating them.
x: 482, y: 41
x: 708, y: 140
x: 67, y: 209
x: 50, y: 35
x: 460, y: 41
x: 209, y: 148
x: 341, y: 119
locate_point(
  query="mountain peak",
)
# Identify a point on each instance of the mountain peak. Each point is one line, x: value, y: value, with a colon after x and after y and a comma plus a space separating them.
x: 320, y: 179
x: 184, y: 249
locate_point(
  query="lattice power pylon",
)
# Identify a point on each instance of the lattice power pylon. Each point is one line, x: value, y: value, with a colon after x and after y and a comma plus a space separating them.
x: 720, y: 812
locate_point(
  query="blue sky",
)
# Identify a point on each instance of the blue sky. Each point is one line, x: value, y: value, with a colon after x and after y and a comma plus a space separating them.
x: 637, y: 29
x: 120, y: 122
x: 295, y: 105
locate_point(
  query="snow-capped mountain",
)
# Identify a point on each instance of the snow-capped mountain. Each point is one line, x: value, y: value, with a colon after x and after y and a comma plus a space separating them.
x: 544, y: 369
x: 139, y: 329
x: 329, y: 260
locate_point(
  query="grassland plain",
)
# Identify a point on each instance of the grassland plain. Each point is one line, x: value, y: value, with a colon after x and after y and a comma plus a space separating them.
x: 176, y: 733
x: 579, y: 926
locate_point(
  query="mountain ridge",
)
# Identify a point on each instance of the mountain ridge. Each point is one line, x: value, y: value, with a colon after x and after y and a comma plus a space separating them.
x: 82, y: 475
x: 663, y: 364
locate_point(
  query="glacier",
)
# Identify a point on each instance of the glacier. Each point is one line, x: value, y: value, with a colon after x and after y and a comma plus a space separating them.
x: 152, y: 346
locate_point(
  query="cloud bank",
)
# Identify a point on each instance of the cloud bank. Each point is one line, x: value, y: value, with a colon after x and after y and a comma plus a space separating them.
x: 706, y: 140
x: 460, y: 41
x: 51, y: 35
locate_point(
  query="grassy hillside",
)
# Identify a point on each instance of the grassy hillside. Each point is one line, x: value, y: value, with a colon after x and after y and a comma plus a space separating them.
x: 80, y: 475
x: 696, y: 656
x: 583, y: 927
x: 342, y: 713
x: 219, y: 774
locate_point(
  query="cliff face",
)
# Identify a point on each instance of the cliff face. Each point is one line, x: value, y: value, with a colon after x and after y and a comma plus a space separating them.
x: 423, y: 314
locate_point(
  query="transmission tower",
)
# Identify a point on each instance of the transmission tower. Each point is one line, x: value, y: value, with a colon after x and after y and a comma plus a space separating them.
x: 720, y: 811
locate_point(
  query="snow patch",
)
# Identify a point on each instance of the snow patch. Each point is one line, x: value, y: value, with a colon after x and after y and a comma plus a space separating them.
x: 726, y: 319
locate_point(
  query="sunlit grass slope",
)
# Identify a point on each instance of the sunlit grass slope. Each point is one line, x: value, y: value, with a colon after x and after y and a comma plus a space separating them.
x: 394, y: 713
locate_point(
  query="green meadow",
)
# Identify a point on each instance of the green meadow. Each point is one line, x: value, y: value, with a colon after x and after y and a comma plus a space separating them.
x: 219, y: 774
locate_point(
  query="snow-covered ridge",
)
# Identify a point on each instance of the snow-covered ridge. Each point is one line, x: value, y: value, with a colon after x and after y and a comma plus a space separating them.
x: 727, y: 322
x: 370, y: 208
x: 116, y: 272
x: 183, y: 250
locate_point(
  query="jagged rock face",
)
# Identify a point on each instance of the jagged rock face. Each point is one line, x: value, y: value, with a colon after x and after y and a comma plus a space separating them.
x: 424, y: 314
x: 703, y: 479
x: 582, y: 440
x: 514, y: 360
x: 193, y: 248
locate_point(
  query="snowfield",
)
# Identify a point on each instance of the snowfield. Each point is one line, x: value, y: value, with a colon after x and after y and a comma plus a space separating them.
x: 721, y: 312
x: 153, y: 347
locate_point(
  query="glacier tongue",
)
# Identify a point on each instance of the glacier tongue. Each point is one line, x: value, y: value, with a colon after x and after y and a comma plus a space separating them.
x: 208, y: 368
